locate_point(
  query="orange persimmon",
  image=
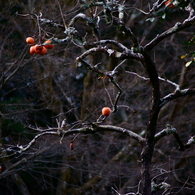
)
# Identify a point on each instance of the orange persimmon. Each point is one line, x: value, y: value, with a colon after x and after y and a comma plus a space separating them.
x: 47, y: 45
x: 38, y: 48
x: 32, y: 50
x: 30, y: 40
x: 106, y: 111
x: 71, y: 145
x: 169, y: 4
x: 43, y: 51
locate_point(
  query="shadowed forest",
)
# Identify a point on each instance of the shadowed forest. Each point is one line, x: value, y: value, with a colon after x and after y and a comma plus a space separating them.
x: 135, y: 57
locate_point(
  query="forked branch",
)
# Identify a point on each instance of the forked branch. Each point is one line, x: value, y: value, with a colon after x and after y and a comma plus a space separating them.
x: 171, y: 130
x: 90, y: 128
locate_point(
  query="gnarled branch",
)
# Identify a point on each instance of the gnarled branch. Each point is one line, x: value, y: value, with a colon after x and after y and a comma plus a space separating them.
x: 176, y: 94
x: 176, y: 28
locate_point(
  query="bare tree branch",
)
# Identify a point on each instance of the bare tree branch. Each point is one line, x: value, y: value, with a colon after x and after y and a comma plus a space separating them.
x: 175, y: 95
x: 110, y: 76
x: 20, y: 148
x: 86, y: 129
x: 13, y: 167
x: 170, y: 130
x: 177, y: 87
x: 176, y: 28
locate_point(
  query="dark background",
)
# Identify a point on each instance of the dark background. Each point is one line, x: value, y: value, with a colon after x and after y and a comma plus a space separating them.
x: 36, y: 90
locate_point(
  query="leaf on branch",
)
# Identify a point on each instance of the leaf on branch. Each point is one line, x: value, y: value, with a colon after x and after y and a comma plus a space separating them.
x: 183, y: 56
x: 188, y: 63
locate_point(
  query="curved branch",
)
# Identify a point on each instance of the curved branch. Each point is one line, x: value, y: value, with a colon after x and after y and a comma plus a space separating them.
x: 94, y: 127
x: 126, y: 53
x: 110, y: 76
x: 170, y: 130
x: 20, y: 149
x: 150, y: 67
x: 124, y: 131
x: 12, y: 169
x: 86, y: 129
x: 128, y: 32
x: 177, y: 87
x: 176, y: 28
x: 176, y: 94
x: 103, y: 42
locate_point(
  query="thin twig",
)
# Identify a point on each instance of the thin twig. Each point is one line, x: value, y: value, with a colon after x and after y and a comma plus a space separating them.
x: 160, y: 78
x: 110, y: 76
x: 61, y: 13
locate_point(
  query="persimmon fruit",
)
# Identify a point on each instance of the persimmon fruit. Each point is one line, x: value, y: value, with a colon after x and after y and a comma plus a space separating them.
x: 71, y: 146
x: 38, y: 48
x: 32, y: 50
x: 30, y: 40
x: 169, y: 4
x: 106, y: 111
x: 47, y: 45
x: 43, y: 51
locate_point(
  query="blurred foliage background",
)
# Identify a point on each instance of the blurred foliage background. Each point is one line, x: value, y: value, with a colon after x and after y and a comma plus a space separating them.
x: 36, y: 90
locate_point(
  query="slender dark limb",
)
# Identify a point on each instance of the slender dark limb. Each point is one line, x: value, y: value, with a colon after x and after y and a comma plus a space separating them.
x: 170, y: 130
x: 177, y: 137
x: 110, y: 75
x: 128, y: 32
x: 90, y: 128
x: 176, y: 94
x: 176, y: 28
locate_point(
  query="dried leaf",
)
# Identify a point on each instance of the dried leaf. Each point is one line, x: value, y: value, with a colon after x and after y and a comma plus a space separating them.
x: 183, y: 56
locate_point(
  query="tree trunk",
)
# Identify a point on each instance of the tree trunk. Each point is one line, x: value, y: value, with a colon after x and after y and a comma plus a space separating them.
x: 148, y: 146
x: 146, y: 156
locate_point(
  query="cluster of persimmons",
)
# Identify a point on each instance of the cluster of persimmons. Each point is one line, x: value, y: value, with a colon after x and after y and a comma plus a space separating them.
x: 42, y: 50
x: 39, y: 48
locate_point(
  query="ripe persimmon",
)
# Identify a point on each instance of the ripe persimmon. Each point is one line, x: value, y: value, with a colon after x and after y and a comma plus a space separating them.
x: 43, y: 51
x: 38, y: 48
x: 47, y: 45
x: 169, y: 4
x: 32, y: 50
x: 106, y: 111
x: 30, y: 40
x: 71, y: 145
